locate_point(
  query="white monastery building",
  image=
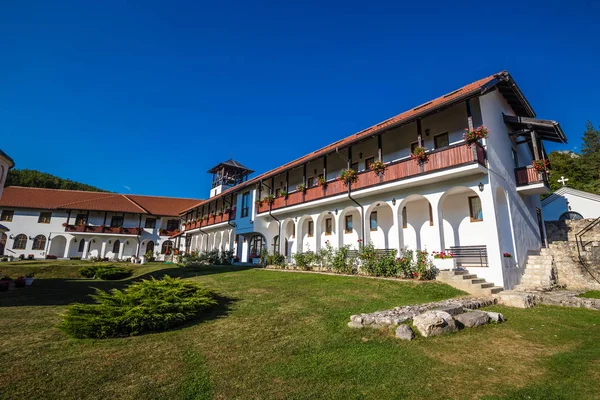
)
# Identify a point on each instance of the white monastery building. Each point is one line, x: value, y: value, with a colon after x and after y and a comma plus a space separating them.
x: 416, y: 181
x: 568, y: 203
x: 6, y: 163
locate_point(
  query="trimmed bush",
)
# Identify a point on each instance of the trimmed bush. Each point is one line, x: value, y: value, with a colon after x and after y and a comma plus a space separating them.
x: 106, y: 272
x: 144, y: 306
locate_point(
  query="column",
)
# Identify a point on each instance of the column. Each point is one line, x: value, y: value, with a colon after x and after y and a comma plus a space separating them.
x: 103, y: 249
x: 137, y: 249
x: 121, y: 248
x: 68, y: 248
x: 86, y: 248
x: 436, y: 211
x: 297, y: 238
x: 396, y: 243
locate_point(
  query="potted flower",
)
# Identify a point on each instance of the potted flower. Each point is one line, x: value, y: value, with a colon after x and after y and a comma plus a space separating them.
x: 419, y: 153
x: 378, y: 167
x: 348, y: 176
x: 301, y: 188
x: 540, y: 165
x: 20, y: 282
x: 21, y: 256
x: 476, y: 134
x: 220, y: 213
x: 30, y: 256
x: 270, y: 199
x: 443, y: 260
x: 258, y: 203
x: 508, y: 262
x: 29, y: 279
x: 322, y: 181
x: 64, y: 224
x: 282, y: 193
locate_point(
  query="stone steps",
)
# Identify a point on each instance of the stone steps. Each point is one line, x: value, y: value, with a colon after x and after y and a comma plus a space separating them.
x: 539, y: 271
x: 470, y: 283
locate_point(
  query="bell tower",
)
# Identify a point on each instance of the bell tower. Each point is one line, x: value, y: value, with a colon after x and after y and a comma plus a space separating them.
x: 227, y: 174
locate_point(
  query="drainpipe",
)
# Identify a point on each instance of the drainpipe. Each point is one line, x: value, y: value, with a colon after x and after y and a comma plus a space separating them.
x: 362, y: 213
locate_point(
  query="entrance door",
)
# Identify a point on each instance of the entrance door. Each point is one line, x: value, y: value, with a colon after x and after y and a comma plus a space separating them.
x: 2, y: 243
x: 256, y: 245
x: 541, y: 226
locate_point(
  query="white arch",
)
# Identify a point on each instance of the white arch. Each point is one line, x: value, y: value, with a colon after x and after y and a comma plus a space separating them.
x: 305, y: 241
x: 384, y: 235
x: 458, y: 228
x: 418, y: 233
x: 352, y: 236
x: 320, y: 230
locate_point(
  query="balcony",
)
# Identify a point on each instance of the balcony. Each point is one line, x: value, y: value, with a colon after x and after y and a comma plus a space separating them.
x: 530, y: 181
x: 438, y: 160
x: 212, y: 220
x: 102, y: 229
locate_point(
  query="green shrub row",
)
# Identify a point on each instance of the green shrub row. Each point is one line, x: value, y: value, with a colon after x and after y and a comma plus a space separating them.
x: 213, y: 257
x: 106, y: 272
x: 144, y: 306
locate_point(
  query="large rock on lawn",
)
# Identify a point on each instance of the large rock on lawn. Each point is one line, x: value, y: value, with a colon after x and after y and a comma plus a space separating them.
x: 404, y: 332
x: 434, y: 322
x: 495, y: 316
x: 472, y: 319
x: 513, y: 298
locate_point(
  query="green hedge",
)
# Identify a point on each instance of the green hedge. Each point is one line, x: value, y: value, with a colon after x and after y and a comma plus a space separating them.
x: 107, y: 272
x: 144, y: 306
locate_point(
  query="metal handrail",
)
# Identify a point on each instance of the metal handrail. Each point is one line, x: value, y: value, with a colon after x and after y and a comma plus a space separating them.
x: 581, y: 245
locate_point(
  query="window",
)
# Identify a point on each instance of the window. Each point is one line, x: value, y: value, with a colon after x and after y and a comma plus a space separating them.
x: 81, y: 246
x: 354, y: 166
x: 81, y: 219
x: 116, y: 247
x: 430, y: 215
x: 348, y: 220
x: 310, y: 182
x: 116, y: 221
x: 172, y: 224
x: 276, y: 244
x: 368, y: 162
x: 245, y: 204
x: 515, y: 157
x: 7, y: 215
x: 311, y: 228
x: 167, y: 247
x: 45, y: 218
x: 440, y: 141
x: 150, y: 247
x: 373, y: 221
x: 150, y: 223
x: 475, y: 209
x: 328, y: 226
x: 20, y: 242
x: 256, y: 246
x: 39, y: 243
x: 404, y: 221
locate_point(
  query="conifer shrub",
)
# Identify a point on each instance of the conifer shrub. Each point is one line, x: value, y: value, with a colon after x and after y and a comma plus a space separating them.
x: 144, y: 306
x: 106, y: 272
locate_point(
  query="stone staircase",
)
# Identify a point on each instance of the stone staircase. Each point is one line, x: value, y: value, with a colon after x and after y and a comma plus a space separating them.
x: 540, y: 273
x: 470, y: 283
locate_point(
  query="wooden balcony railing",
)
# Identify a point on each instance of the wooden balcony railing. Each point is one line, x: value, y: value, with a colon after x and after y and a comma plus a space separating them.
x: 529, y: 176
x: 212, y: 220
x: 103, y: 229
x: 448, y: 157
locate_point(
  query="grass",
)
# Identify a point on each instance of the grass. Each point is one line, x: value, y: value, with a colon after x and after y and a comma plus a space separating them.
x: 284, y: 335
x: 591, y: 294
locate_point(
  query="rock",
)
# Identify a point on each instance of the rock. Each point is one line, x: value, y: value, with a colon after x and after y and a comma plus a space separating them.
x: 433, y: 323
x: 355, y: 325
x: 495, y: 316
x: 472, y: 319
x: 452, y: 309
x: 516, y: 299
x: 404, y: 332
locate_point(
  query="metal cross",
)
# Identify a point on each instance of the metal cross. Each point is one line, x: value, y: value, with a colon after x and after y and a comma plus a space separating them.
x: 562, y: 180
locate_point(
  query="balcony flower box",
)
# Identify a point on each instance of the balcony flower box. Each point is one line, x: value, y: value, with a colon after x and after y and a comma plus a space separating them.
x: 475, y: 135
x: 322, y: 181
x: 540, y: 165
x: 348, y: 176
x: 378, y: 167
x: 420, y: 154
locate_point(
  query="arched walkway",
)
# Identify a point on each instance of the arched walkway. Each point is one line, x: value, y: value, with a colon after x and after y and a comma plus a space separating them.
x: 306, y: 234
x: 273, y: 237
x: 350, y: 227
x: 326, y: 230
x: 416, y: 219
x: 462, y: 218
x: 379, y: 228
x: 58, y: 245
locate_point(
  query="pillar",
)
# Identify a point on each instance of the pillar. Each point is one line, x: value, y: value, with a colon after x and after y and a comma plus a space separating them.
x: 86, y: 248
x: 68, y: 248
x: 121, y: 248
x: 103, y: 249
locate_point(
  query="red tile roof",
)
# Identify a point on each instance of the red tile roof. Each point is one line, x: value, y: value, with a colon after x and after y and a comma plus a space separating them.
x: 55, y: 199
x: 446, y: 100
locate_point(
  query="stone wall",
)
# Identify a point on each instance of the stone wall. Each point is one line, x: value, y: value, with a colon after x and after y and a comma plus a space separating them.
x: 563, y: 247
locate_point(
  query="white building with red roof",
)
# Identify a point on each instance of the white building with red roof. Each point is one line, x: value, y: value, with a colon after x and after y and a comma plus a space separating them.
x: 416, y: 182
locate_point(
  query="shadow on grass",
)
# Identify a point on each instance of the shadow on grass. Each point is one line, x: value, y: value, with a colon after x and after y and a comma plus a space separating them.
x: 60, y: 292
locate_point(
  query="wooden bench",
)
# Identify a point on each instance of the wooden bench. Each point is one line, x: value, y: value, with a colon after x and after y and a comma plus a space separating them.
x: 380, y: 252
x: 471, y: 256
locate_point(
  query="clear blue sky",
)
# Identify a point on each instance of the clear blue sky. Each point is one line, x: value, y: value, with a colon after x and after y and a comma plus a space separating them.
x: 145, y: 96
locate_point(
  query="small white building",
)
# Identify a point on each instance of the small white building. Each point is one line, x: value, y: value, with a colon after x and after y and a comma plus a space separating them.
x: 71, y: 223
x: 568, y: 203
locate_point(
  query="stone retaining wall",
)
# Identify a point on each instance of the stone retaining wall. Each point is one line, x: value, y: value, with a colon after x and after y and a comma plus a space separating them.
x: 563, y: 247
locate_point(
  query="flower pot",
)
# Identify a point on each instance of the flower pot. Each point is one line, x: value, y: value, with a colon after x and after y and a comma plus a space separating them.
x: 444, y: 263
x: 28, y: 281
x: 508, y: 262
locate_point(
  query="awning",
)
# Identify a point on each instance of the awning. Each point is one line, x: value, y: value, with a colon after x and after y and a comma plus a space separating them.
x: 545, y: 129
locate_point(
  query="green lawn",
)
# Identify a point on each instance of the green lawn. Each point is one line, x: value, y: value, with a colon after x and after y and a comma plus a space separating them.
x: 284, y: 335
x: 592, y: 294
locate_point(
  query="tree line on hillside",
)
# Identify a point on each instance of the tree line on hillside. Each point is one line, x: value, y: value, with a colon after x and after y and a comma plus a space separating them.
x: 33, y: 178
x: 582, y: 169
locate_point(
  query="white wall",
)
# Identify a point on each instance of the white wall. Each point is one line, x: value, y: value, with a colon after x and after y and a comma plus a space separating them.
x: 588, y: 208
